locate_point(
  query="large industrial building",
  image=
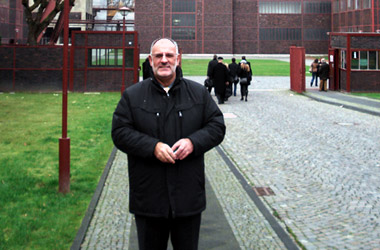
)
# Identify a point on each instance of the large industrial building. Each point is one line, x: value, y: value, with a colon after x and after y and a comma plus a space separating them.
x: 252, y: 26
x: 220, y: 26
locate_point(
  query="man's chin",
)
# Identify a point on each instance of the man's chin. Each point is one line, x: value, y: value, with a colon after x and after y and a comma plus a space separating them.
x: 165, y: 74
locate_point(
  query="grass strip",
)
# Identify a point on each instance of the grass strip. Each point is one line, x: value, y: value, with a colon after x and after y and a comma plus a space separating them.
x: 33, y: 214
x: 369, y: 95
x: 260, y: 67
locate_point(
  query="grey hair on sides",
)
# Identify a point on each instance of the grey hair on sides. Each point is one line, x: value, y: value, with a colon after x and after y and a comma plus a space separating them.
x: 165, y: 38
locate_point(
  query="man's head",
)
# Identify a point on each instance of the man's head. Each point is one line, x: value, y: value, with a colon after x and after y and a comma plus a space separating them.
x: 214, y: 57
x: 323, y: 60
x: 220, y: 59
x: 164, y: 60
x: 233, y: 59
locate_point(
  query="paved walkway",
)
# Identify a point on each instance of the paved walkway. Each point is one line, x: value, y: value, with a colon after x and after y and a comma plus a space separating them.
x: 320, y: 160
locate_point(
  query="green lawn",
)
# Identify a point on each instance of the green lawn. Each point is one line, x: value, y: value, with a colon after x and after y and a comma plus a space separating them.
x: 369, y: 95
x: 33, y: 214
x: 260, y: 67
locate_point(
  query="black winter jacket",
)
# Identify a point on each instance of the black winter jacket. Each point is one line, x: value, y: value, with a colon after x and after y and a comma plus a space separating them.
x: 324, y: 71
x: 145, y: 115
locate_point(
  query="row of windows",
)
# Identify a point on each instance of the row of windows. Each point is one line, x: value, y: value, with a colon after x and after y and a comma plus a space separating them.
x: 315, y: 34
x: 280, y: 7
x: 317, y: 7
x: 294, y: 7
x: 343, y: 5
x: 293, y: 34
x: 363, y: 60
x: 110, y: 58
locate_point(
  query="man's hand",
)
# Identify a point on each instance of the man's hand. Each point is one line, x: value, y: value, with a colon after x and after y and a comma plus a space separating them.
x: 182, y: 148
x: 164, y: 153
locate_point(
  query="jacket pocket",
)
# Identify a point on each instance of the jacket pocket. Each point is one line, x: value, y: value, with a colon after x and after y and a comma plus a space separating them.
x: 189, y: 118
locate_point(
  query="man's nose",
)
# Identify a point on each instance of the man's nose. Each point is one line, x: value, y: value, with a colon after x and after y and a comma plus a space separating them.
x: 164, y: 58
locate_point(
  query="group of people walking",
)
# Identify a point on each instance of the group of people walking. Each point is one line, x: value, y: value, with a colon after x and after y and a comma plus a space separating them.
x: 319, y: 69
x: 224, y: 78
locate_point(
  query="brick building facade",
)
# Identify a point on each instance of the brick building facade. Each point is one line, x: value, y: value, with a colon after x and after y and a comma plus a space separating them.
x: 12, y: 22
x: 236, y: 26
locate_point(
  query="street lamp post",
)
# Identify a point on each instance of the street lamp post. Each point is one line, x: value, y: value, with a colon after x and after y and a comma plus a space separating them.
x: 64, y: 142
x: 124, y: 11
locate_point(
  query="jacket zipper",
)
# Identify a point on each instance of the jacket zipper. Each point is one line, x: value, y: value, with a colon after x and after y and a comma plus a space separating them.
x: 158, y: 124
x: 180, y: 123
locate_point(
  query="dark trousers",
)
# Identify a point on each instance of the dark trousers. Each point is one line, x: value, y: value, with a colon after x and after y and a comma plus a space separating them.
x: 235, y: 87
x: 244, y: 90
x: 314, y: 75
x: 153, y: 233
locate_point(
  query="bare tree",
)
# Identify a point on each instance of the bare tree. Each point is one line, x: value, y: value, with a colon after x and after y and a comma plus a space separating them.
x: 34, y: 13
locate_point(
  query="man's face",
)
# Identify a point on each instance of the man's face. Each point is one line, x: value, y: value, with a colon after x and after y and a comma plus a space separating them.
x: 164, y: 61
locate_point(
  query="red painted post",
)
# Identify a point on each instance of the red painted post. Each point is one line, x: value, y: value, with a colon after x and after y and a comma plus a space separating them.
x: 64, y: 142
x: 297, y: 69
x: 123, y: 71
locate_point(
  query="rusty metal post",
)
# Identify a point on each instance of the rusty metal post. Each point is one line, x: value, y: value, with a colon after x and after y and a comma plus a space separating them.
x: 64, y: 142
x: 297, y: 69
x: 123, y: 71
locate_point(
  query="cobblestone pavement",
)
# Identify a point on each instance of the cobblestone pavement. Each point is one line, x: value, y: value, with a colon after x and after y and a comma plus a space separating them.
x: 321, y: 161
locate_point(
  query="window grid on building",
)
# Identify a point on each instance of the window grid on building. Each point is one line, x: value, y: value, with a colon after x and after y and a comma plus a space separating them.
x: 183, y: 19
x: 276, y: 34
x: 361, y: 60
x: 109, y: 58
x: 315, y: 34
x: 277, y: 7
x: 311, y: 7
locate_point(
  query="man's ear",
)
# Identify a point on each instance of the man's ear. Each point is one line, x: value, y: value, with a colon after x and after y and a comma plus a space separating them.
x: 150, y: 60
x: 179, y: 60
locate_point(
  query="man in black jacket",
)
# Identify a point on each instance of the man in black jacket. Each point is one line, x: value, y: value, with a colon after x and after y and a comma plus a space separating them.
x: 210, y: 67
x: 165, y: 124
x: 220, y: 76
x: 234, y: 67
x: 323, y: 73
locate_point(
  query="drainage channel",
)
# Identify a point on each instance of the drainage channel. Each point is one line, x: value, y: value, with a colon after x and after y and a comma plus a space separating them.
x: 281, y: 233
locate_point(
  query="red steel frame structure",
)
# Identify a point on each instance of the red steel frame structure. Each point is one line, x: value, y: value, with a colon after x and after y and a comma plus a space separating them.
x: 355, y: 19
x: 86, y: 69
x: 346, y: 44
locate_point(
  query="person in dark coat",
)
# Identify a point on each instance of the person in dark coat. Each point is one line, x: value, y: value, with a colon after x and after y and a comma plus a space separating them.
x: 220, y: 76
x: 244, y: 59
x: 245, y: 75
x: 234, y: 67
x: 147, y: 69
x: 165, y: 124
x: 323, y: 73
x: 210, y: 68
